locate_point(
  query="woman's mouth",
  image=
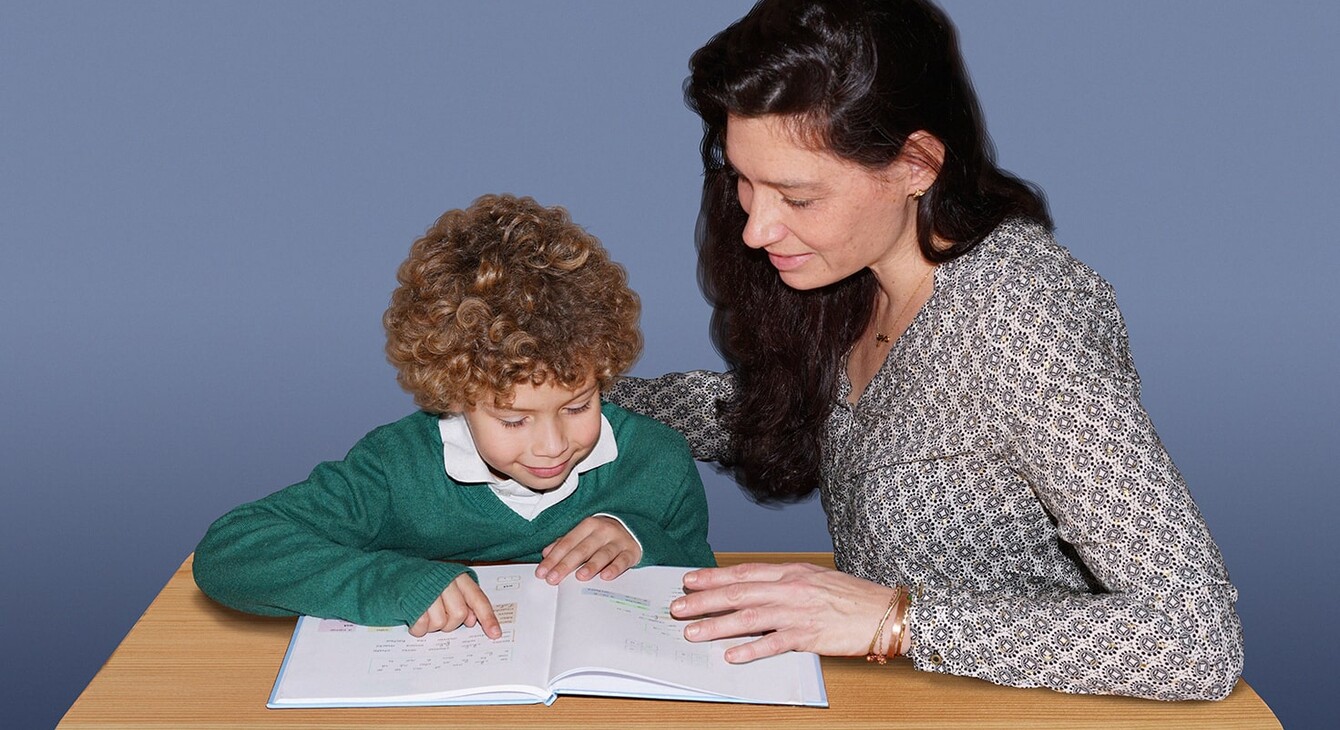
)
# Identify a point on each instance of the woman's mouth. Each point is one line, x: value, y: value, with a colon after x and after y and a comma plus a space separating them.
x: 787, y: 263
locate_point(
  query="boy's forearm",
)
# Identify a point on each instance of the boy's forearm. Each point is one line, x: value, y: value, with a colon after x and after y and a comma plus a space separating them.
x: 684, y: 543
x: 254, y: 563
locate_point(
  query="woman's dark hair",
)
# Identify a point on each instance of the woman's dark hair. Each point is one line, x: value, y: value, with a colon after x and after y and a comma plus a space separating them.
x: 859, y: 76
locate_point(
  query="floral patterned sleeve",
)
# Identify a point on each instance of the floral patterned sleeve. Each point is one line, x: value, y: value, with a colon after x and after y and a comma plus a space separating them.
x: 1056, y: 373
x: 685, y: 402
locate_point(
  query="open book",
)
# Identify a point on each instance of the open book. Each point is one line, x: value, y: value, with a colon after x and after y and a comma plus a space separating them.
x: 612, y: 638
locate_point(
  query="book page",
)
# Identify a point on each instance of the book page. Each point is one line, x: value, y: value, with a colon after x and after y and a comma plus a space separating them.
x: 624, y: 627
x: 334, y: 662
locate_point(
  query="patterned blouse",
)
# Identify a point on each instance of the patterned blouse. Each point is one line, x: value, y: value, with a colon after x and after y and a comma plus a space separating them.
x: 1001, y: 463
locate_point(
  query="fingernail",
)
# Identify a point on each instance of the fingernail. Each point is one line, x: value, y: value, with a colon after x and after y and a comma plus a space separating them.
x: 690, y: 578
x: 676, y: 606
x: 692, y: 631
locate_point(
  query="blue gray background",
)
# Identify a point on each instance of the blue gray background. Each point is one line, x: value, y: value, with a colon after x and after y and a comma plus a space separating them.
x: 202, y: 206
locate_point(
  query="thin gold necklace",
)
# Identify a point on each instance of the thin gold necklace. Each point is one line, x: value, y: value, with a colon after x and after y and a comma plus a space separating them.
x: 883, y: 339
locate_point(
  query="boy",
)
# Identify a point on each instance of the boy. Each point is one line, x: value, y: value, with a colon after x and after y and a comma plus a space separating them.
x: 508, y: 321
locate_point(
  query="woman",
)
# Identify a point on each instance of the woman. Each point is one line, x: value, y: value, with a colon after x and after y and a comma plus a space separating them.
x: 905, y: 335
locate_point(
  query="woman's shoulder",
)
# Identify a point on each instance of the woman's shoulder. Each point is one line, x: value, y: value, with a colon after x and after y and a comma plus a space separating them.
x: 1022, y: 258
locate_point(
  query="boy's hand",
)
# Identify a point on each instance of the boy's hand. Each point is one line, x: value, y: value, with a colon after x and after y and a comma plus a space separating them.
x: 461, y: 602
x: 597, y: 545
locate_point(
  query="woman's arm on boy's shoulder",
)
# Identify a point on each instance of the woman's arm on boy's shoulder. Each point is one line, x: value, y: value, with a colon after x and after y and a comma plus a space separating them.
x: 686, y: 402
x: 312, y: 548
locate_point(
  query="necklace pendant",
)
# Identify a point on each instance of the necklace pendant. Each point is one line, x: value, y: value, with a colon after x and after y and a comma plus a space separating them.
x: 882, y: 338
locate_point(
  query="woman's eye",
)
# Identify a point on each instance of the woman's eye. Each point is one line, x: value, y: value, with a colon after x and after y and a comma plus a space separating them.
x: 795, y: 203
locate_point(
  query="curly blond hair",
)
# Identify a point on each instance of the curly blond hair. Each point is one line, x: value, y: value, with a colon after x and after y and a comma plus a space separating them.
x: 504, y: 292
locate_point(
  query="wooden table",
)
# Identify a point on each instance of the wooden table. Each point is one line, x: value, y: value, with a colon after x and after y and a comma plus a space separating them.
x: 190, y: 663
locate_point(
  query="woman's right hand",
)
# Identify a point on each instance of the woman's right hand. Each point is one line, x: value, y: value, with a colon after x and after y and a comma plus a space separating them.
x: 462, y: 602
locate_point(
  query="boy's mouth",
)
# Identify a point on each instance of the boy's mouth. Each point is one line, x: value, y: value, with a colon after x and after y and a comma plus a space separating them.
x: 546, y: 472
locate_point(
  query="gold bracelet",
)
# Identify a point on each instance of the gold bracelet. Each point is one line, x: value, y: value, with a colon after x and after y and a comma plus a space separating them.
x: 871, y: 655
x: 896, y: 633
x: 902, y: 626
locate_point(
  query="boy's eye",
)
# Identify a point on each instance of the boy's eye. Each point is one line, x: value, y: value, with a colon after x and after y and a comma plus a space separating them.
x: 512, y: 424
x: 579, y: 409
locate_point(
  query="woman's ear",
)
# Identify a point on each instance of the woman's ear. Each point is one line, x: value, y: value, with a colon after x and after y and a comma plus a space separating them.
x: 923, y: 155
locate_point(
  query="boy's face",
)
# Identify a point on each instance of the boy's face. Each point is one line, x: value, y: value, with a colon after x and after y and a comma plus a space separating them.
x: 541, y: 437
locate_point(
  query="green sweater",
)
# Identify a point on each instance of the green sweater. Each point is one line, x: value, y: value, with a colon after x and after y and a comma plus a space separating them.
x: 363, y: 539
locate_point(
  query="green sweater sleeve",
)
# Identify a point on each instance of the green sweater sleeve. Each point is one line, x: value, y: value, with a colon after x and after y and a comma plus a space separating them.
x: 670, y: 520
x: 312, y: 548
x: 679, y: 536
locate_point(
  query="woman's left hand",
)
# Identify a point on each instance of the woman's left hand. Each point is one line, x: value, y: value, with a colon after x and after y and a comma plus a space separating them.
x: 794, y: 606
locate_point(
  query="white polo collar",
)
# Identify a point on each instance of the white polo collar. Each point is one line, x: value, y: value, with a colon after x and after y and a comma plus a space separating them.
x: 463, y: 464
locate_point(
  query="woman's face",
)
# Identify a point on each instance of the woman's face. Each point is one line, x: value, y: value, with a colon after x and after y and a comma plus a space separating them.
x: 819, y: 218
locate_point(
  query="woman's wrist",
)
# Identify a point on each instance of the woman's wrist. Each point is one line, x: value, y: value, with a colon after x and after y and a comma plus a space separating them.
x: 895, y: 618
x: 905, y: 636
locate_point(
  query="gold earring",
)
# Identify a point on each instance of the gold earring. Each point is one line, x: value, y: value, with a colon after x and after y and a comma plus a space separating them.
x: 917, y: 195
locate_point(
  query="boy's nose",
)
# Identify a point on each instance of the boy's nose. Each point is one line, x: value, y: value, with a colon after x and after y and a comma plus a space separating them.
x: 550, y: 440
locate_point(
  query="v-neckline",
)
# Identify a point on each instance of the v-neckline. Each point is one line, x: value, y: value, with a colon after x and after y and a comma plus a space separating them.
x: 846, y: 382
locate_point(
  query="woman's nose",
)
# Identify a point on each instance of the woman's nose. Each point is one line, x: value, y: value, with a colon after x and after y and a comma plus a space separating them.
x: 763, y: 227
